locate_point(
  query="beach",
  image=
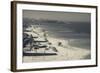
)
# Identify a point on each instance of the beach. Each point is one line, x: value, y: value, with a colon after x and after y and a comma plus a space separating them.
x: 65, y: 52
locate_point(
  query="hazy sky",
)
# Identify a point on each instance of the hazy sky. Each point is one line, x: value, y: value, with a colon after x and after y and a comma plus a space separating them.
x: 66, y: 16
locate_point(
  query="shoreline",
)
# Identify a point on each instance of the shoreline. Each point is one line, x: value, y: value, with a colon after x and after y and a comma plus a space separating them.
x: 65, y: 52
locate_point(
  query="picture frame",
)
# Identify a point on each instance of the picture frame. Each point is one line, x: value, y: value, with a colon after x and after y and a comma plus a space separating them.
x: 46, y: 36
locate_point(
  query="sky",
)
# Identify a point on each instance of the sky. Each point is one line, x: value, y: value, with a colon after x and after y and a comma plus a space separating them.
x: 64, y: 16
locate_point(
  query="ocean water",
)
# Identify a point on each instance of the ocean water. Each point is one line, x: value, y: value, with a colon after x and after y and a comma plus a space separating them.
x: 79, y: 32
x: 81, y: 43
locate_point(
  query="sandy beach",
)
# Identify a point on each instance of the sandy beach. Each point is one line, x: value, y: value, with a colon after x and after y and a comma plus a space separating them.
x: 65, y: 52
